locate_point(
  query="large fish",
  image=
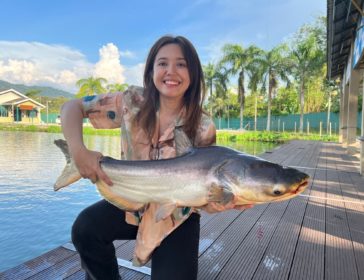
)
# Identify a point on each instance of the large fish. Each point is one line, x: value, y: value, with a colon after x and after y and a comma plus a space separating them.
x: 202, y: 175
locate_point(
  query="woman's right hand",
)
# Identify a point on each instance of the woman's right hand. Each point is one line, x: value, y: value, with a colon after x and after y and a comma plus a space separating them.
x: 87, y: 161
x: 88, y: 164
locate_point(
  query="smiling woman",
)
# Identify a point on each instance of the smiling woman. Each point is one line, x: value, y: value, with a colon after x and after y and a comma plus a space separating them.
x: 170, y: 74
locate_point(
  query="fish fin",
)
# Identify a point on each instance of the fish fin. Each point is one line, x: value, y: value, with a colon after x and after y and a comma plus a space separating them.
x: 164, y: 211
x: 182, y: 142
x: 70, y: 172
x: 220, y: 194
x: 116, y: 200
x: 62, y: 144
x: 68, y: 176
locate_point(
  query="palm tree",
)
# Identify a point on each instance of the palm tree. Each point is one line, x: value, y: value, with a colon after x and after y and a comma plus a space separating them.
x: 117, y: 87
x: 90, y: 86
x: 255, y: 74
x: 273, y: 65
x: 221, y: 79
x: 237, y: 59
x: 331, y: 87
x: 215, y: 78
x: 306, y: 59
x: 209, y: 75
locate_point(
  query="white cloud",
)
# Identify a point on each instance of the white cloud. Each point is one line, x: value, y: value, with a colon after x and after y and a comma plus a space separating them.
x: 25, y: 70
x: 127, y: 53
x: 109, y: 66
x: 134, y: 75
x: 34, y: 63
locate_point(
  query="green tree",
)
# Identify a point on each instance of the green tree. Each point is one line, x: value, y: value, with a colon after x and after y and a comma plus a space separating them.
x: 307, y: 58
x: 209, y: 75
x: 117, y: 87
x: 286, y: 101
x: 33, y: 93
x: 90, y: 86
x: 273, y: 65
x: 237, y: 59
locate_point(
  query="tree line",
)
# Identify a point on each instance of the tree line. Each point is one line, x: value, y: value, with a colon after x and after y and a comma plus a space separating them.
x: 290, y: 78
x: 250, y: 82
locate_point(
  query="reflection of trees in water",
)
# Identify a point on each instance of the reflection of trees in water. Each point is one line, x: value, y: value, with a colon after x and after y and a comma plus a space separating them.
x: 107, y: 145
x: 249, y: 147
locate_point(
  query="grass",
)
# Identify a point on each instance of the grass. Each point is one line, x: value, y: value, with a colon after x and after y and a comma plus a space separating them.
x: 271, y: 136
x: 222, y: 135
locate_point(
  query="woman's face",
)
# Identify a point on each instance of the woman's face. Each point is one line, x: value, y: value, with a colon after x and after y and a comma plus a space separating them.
x: 170, y: 73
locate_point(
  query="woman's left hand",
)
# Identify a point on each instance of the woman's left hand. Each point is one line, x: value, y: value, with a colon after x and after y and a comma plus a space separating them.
x: 213, y: 207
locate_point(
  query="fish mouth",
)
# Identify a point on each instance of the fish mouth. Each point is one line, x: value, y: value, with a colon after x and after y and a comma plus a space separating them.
x: 301, y: 187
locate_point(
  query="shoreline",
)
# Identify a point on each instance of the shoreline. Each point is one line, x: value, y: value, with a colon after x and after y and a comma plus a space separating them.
x: 221, y: 135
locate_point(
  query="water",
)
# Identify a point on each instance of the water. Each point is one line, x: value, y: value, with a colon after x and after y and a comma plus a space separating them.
x: 33, y: 218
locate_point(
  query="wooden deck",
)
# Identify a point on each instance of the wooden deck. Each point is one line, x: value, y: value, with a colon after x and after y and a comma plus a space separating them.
x: 315, y: 237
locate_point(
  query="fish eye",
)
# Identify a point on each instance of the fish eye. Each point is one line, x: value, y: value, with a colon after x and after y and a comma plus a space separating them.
x: 277, y: 192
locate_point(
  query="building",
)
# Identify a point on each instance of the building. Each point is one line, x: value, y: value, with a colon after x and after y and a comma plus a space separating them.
x: 345, y: 45
x: 17, y: 107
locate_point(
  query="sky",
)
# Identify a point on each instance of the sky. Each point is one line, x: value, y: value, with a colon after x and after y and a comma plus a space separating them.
x: 55, y: 43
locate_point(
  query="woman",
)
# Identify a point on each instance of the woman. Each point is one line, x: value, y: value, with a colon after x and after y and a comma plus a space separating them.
x: 157, y: 122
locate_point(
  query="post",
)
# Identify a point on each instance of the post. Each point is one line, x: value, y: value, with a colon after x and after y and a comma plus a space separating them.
x: 308, y: 127
x: 361, y: 139
x: 47, y: 111
x: 328, y: 113
x: 255, y: 112
x: 17, y: 114
x: 279, y: 124
x: 343, y: 113
x: 352, y: 119
x: 330, y: 129
x: 321, y: 129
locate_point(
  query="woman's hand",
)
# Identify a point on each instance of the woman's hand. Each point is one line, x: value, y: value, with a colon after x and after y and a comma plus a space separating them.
x: 88, y: 164
x: 214, y: 207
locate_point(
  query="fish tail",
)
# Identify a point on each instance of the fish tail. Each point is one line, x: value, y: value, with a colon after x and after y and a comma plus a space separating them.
x: 70, y: 172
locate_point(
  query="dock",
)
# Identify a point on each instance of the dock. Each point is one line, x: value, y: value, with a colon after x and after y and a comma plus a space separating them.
x: 319, y: 235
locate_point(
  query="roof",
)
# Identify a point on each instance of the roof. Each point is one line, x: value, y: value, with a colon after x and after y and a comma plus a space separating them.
x: 342, y: 21
x: 22, y: 98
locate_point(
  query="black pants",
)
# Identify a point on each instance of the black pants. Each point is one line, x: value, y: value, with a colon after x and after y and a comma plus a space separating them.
x: 100, y: 224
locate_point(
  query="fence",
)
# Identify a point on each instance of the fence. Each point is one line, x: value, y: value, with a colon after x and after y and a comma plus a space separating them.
x: 311, y: 122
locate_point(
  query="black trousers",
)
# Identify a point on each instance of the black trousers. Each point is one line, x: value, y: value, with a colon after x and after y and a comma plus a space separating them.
x: 100, y: 224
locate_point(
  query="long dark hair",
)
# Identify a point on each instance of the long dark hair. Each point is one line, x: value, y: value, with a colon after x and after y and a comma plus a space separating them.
x: 192, y: 99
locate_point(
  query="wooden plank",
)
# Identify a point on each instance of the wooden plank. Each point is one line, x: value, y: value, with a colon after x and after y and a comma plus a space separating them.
x: 60, y: 270
x: 340, y: 260
x: 249, y: 253
x: 218, y: 254
x: 36, y: 265
x: 277, y: 259
x: 215, y: 228
x: 355, y: 216
x: 309, y: 256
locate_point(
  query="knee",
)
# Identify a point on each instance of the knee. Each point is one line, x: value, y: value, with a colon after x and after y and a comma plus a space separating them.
x: 82, y: 230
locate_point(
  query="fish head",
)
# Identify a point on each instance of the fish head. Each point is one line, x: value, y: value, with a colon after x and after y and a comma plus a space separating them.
x: 254, y: 180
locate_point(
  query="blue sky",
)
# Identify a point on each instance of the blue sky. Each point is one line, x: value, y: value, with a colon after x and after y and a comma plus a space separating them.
x: 58, y: 42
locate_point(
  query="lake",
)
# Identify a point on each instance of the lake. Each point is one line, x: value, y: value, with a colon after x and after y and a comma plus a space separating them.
x: 33, y: 218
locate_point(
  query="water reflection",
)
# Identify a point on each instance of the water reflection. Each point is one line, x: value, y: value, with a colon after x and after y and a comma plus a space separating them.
x: 33, y: 218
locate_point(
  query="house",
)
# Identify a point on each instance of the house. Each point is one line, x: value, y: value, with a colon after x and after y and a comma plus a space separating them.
x: 345, y: 60
x: 17, y: 107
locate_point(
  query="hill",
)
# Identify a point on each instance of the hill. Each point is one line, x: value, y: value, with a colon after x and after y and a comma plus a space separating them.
x: 44, y: 91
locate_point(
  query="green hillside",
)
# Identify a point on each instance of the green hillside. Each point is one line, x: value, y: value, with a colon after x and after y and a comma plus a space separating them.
x: 44, y: 91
